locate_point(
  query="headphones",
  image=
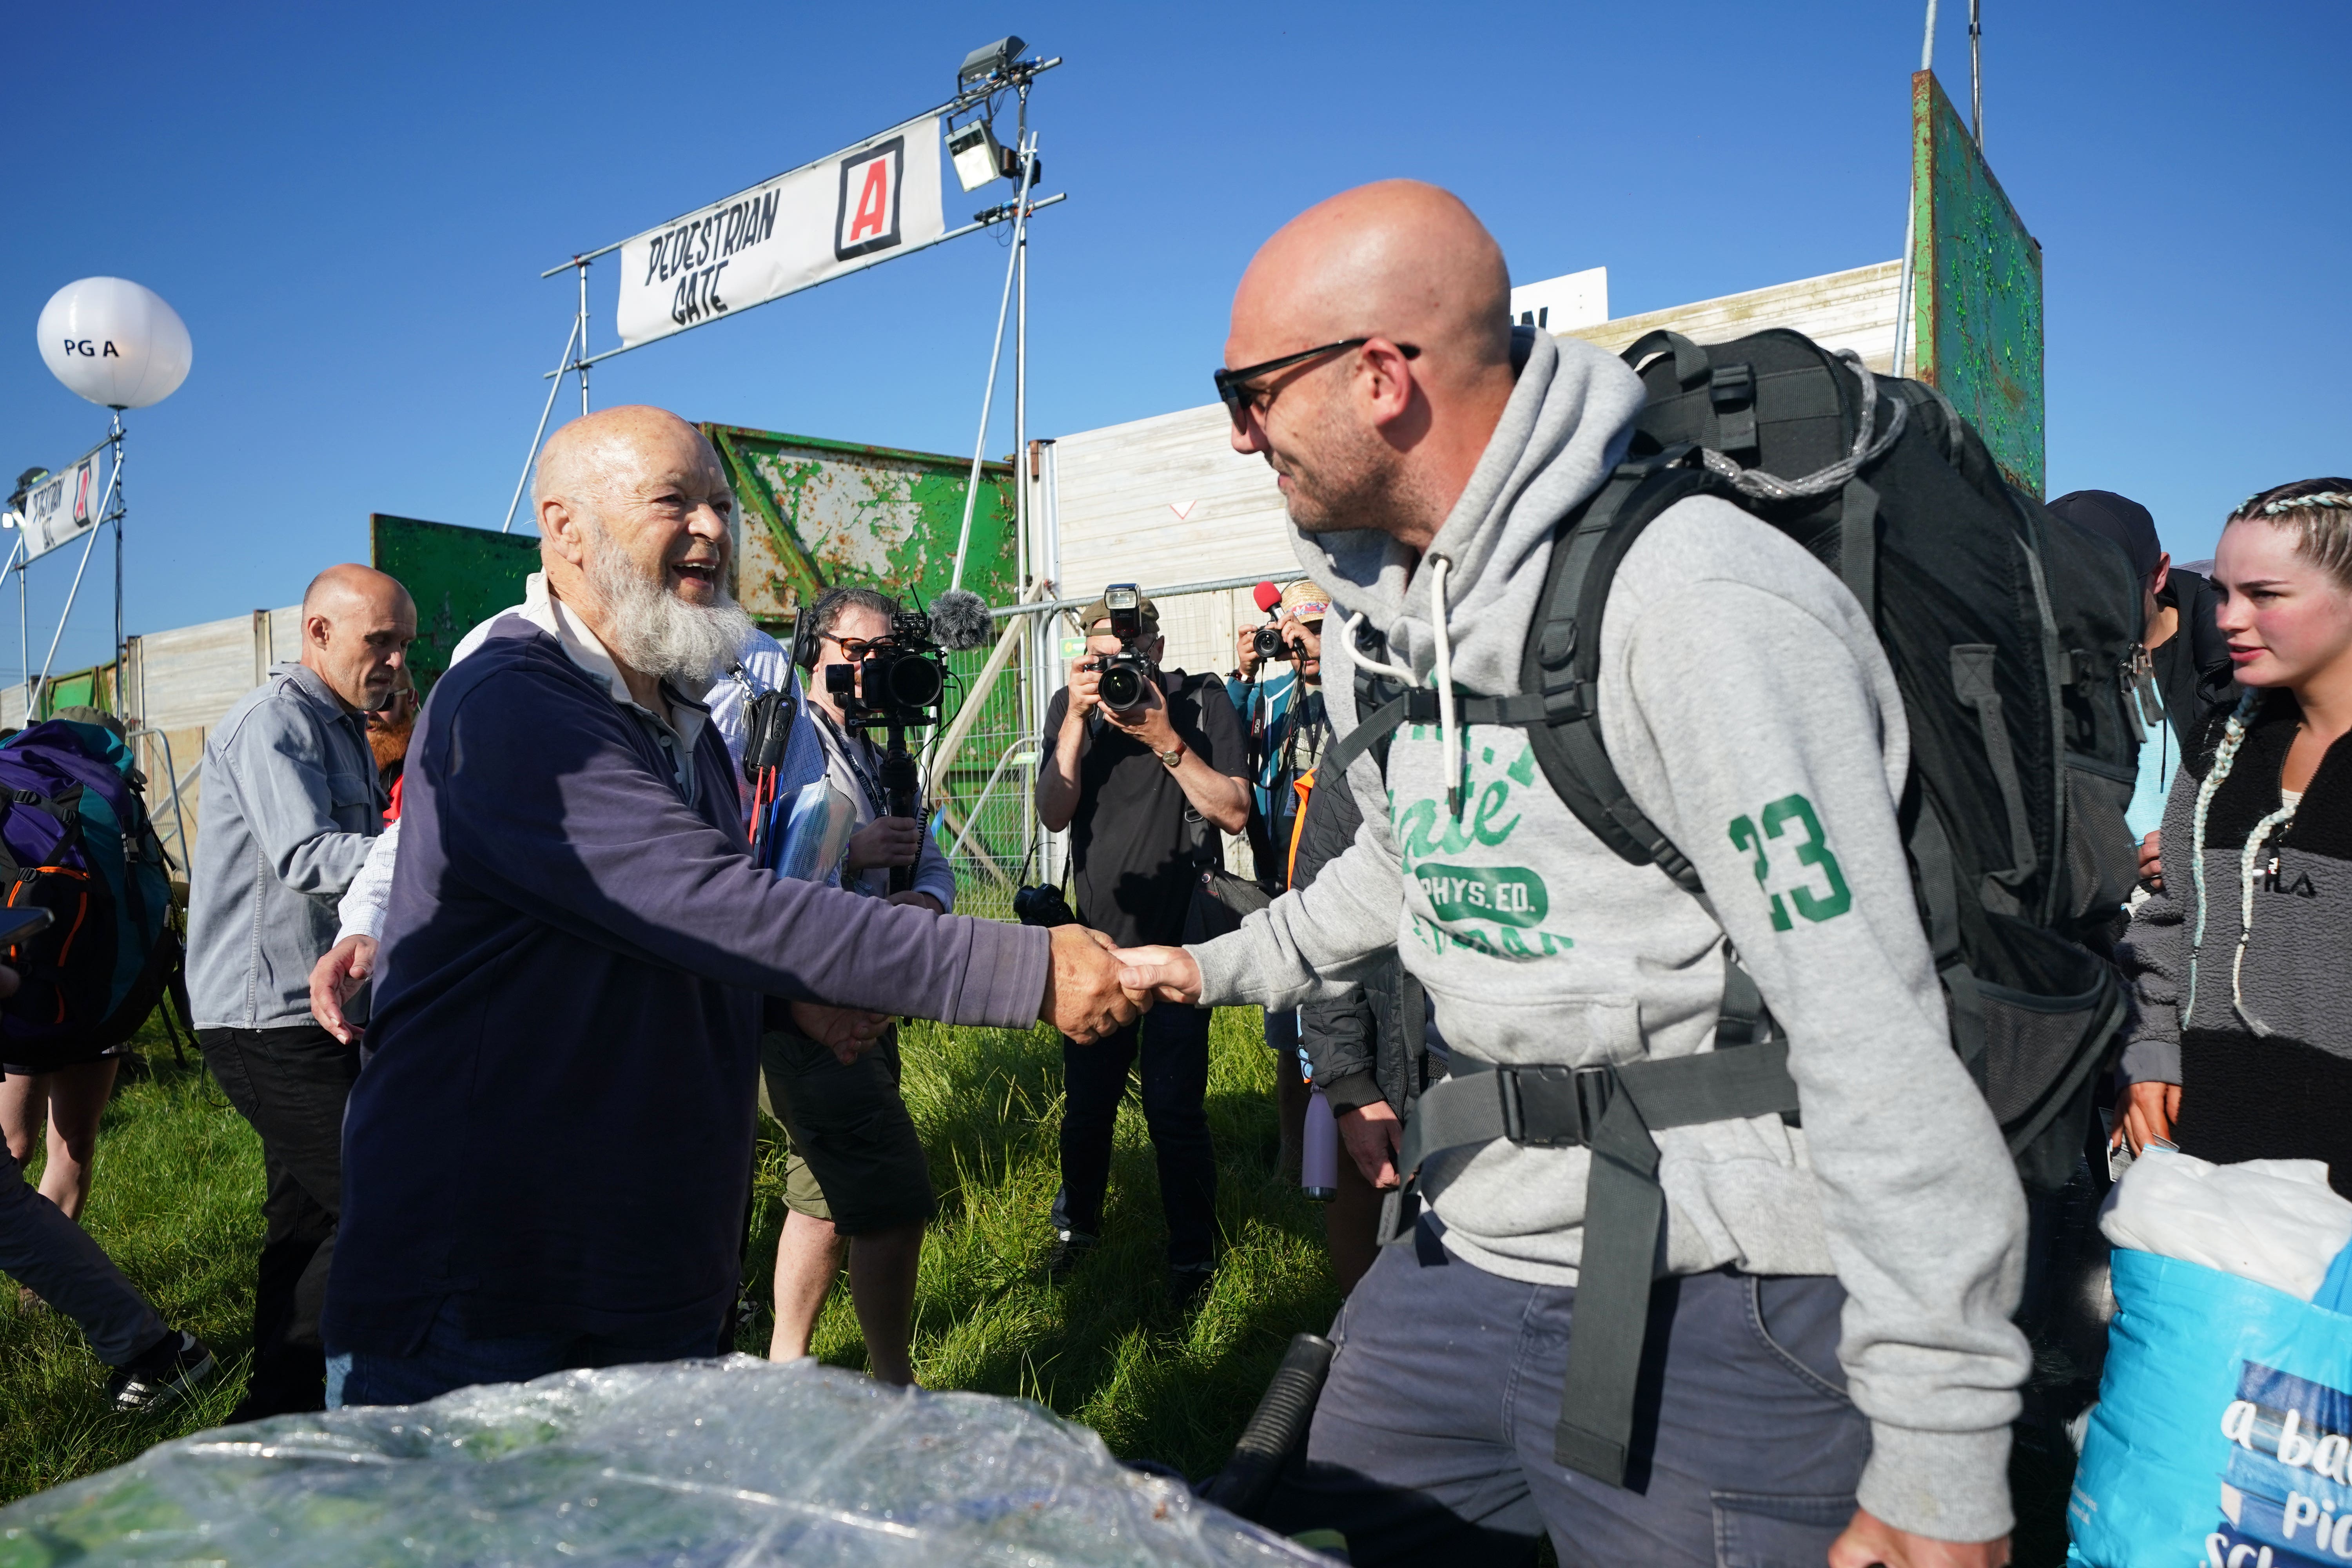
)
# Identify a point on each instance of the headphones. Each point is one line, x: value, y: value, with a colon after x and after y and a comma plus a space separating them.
x: 805, y: 637
x: 808, y: 625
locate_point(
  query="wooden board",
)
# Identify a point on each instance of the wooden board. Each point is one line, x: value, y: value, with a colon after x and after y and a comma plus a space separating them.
x: 1851, y: 310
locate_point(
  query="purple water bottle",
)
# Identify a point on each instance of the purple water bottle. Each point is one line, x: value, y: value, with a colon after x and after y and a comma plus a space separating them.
x: 1319, y: 1166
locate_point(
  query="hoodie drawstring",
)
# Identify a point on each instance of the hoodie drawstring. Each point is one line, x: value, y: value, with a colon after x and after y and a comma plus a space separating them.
x: 1448, y: 728
x: 1438, y: 567
x: 2249, y: 877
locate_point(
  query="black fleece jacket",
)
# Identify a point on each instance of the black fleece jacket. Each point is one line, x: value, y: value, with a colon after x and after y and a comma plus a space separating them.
x: 1370, y: 1044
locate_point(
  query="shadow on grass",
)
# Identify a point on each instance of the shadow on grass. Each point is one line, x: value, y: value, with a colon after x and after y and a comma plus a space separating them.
x: 175, y: 1201
x: 1108, y: 1348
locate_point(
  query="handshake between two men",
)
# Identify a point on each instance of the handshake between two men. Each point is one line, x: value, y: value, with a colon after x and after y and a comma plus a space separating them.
x: 1085, y: 995
x: 1092, y: 989
x: 1088, y: 996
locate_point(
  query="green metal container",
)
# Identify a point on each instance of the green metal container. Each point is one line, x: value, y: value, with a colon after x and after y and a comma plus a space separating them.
x: 820, y: 513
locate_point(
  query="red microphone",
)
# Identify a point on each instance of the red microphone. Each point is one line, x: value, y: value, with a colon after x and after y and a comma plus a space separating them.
x: 1267, y: 596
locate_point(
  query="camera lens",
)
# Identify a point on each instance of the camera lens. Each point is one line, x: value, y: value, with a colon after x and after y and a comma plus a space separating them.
x: 1122, y: 686
x: 914, y: 681
x: 1267, y: 643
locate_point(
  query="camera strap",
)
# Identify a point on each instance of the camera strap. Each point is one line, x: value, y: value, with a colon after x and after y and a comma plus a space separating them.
x: 869, y: 783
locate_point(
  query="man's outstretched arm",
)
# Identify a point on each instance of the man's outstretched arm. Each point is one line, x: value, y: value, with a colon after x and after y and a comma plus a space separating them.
x: 553, y: 813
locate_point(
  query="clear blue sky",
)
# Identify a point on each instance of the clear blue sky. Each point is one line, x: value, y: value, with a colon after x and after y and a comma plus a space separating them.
x: 351, y: 207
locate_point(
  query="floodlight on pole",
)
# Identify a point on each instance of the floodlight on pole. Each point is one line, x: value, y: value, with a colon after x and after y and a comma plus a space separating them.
x: 977, y: 156
x: 988, y: 60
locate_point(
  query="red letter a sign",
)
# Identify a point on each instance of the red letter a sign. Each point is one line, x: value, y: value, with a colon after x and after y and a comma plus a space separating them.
x: 867, y: 219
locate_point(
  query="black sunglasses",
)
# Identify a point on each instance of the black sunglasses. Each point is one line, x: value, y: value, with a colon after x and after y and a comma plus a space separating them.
x: 1236, y: 394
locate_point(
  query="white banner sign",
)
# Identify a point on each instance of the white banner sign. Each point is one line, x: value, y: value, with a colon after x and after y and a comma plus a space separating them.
x: 64, y: 507
x: 859, y: 206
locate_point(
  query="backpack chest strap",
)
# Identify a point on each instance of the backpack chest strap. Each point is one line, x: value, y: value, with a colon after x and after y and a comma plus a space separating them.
x: 1613, y: 1111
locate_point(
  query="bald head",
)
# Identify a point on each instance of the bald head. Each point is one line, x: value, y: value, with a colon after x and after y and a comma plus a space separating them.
x: 1378, y: 436
x: 350, y: 586
x: 357, y: 624
x: 582, y: 461
x: 1398, y: 258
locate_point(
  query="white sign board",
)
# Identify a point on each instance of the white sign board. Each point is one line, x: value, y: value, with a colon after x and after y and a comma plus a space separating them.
x: 859, y: 206
x: 1562, y: 304
x: 64, y: 507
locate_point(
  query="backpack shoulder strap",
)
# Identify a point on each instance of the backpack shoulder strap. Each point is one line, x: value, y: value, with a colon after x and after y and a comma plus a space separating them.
x: 1561, y: 663
x: 1559, y: 672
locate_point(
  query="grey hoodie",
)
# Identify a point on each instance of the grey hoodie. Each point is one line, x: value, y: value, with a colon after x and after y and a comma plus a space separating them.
x: 1747, y: 706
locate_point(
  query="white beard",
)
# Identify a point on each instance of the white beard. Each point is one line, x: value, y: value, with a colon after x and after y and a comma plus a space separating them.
x: 655, y: 631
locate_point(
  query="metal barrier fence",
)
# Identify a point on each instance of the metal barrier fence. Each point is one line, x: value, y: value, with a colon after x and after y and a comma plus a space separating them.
x: 984, y: 810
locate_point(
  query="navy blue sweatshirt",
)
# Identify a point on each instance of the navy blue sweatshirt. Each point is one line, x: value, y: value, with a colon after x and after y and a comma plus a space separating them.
x: 554, y: 1129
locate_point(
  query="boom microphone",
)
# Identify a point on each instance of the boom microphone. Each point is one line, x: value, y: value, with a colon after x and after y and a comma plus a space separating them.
x: 1267, y: 596
x: 959, y: 620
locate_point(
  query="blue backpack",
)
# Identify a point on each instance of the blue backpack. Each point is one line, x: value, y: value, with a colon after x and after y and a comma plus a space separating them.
x: 75, y: 839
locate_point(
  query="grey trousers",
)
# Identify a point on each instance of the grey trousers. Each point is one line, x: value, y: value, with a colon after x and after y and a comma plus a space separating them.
x: 1433, y: 1442
x: 57, y: 1258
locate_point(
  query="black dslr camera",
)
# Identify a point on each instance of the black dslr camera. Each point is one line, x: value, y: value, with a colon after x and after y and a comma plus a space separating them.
x: 899, y: 683
x: 1267, y: 643
x: 1034, y: 906
x: 1127, y: 674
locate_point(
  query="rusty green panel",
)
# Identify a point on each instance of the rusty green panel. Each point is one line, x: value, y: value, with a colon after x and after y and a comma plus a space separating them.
x: 1976, y: 278
x: 817, y: 513
x: 459, y: 577
x: 92, y: 687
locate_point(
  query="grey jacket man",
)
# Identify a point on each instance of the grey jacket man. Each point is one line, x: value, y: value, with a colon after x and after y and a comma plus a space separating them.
x: 1738, y: 681
x: 290, y: 801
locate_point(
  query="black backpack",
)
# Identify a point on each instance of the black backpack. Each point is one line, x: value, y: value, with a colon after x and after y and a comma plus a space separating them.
x: 2014, y: 635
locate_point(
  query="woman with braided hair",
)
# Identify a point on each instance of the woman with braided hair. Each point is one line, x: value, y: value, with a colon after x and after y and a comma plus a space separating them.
x: 2241, y: 1039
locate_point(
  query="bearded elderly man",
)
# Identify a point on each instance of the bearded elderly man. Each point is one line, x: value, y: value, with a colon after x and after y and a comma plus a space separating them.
x: 569, y: 987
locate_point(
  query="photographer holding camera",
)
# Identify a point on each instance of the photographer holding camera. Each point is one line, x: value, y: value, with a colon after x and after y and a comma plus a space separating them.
x: 1145, y: 767
x: 1280, y: 695
x: 855, y: 1178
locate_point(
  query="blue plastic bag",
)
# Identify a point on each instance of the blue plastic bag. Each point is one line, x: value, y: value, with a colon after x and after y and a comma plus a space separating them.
x: 2223, y: 1432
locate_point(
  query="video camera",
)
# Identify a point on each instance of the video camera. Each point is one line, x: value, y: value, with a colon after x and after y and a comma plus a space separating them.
x: 1127, y: 674
x: 900, y: 682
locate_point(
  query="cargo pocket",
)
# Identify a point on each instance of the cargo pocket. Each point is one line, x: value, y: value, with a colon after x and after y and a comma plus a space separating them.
x: 1777, y: 1530
x: 2034, y: 1031
x: 2102, y: 856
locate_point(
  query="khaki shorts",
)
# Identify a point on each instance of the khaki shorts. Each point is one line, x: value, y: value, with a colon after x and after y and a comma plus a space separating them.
x: 851, y: 1154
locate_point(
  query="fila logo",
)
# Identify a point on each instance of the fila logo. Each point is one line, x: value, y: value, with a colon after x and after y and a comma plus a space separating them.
x: 867, y: 219
x: 2301, y: 887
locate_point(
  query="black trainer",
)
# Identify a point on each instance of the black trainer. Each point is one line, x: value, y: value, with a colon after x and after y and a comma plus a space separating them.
x: 1071, y: 1248
x: 170, y: 1371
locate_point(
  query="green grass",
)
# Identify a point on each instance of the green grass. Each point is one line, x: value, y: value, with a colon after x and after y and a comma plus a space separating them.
x: 176, y: 1201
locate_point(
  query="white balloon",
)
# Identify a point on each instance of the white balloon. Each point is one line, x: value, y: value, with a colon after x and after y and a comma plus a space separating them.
x: 114, y: 342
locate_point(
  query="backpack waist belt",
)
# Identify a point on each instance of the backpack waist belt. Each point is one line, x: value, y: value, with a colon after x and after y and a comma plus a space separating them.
x: 1613, y: 1111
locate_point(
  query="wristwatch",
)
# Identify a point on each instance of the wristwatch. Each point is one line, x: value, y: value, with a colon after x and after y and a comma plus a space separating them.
x: 1172, y: 757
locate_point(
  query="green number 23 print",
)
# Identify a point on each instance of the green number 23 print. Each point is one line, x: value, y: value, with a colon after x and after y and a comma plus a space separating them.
x: 1813, y: 852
